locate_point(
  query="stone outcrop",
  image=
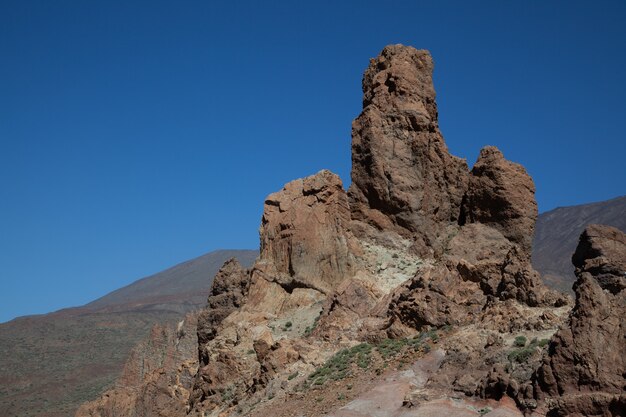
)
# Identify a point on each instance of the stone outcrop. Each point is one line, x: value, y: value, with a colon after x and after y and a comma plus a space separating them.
x: 418, y: 242
x: 244, y: 338
x: 304, y: 233
x: 218, y: 367
x: 403, y: 178
x: 230, y: 286
x: 585, y: 371
x: 477, y: 224
x: 601, y: 253
x: 501, y: 194
x: 157, y: 378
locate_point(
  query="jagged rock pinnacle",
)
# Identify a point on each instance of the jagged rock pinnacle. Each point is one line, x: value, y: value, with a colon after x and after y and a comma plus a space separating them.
x: 403, y: 177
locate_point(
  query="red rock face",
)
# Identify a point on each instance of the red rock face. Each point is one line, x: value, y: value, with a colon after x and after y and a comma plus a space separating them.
x: 585, y: 372
x: 228, y: 292
x: 157, y: 378
x: 403, y: 178
x: 304, y: 233
x: 501, y: 195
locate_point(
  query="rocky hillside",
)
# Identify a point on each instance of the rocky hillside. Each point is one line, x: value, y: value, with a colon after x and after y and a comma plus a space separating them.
x: 557, y: 233
x: 410, y: 294
x: 52, y: 363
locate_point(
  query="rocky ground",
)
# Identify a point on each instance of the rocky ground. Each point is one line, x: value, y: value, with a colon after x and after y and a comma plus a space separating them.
x: 410, y: 294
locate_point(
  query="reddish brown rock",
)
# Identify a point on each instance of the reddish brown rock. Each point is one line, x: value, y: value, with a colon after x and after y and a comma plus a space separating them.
x: 500, y: 267
x: 218, y: 368
x: 350, y: 313
x: 227, y: 294
x: 435, y: 245
x: 501, y: 194
x: 585, y: 371
x: 403, y: 178
x: 480, y: 268
x: 436, y: 297
x: 600, y: 252
x: 304, y: 233
x: 157, y: 378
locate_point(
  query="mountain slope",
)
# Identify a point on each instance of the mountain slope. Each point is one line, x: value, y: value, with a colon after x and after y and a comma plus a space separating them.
x: 182, y: 284
x: 52, y: 363
x: 557, y: 232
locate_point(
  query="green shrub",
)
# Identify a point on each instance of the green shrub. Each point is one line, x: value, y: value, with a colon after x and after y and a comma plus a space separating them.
x: 309, y: 329
x: 521, y: 355
x: 520, y: 341
x: 338, y: 366
x: 292, y: 376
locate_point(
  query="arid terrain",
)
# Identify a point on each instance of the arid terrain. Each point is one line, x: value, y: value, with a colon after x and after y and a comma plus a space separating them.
x: 52, y: 363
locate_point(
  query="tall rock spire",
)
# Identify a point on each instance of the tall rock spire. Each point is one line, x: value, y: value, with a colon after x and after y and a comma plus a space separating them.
x: 403, y: 177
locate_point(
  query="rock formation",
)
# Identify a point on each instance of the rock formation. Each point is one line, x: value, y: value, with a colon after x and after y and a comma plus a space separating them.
x: 403, y: 178
x: 157, y: 378
x: 419, y: 252
x: 585, y: 371
x: 502, y: 195
x: 230, y: 286
x: 304, y: 233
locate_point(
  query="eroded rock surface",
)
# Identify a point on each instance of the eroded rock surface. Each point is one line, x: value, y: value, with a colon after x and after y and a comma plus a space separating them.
x: 227, y: 294
x: 585, y: 371
x: 157, y: 378
x: 502, y: 195
x: 403, y: 177
x: 304, y: 233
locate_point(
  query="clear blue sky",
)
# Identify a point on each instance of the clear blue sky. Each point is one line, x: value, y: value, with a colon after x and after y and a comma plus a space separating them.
x: 138, y: 134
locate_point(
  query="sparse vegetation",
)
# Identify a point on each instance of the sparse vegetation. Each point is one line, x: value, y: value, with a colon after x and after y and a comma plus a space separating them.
x: 484, y: 411
x: 520, y: 341
x: 309, y: 329
x: 522, y: 354
x: 228, y: 394
x: 341, y: 364
x: 292, y: 376
x: 338, y: 366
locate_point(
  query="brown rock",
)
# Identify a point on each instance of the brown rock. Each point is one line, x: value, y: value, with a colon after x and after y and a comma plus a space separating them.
x: 502, y: 195
x: 600, y: 252
x: 403, y: 178
x: 348, y: 311
x: 436, y: 297
x: 501, y: 268
x: 218, y: 368
x: 228, y: 292
x: 157, y: 378
x: 304, y: 233
x: 585, y: 371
